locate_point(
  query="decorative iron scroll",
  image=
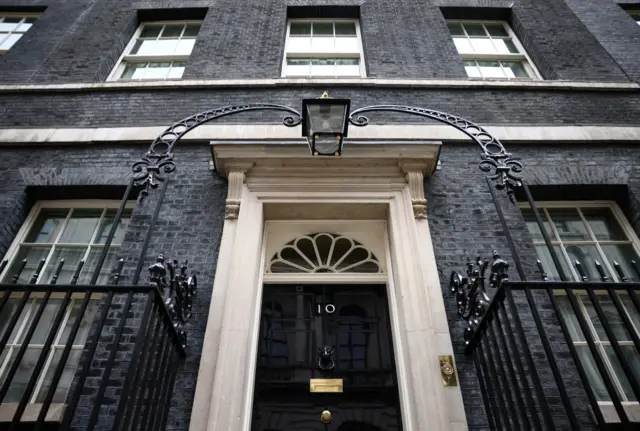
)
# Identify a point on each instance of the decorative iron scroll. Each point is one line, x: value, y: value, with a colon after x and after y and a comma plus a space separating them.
x: 495, y: 159
x: 178, y: 290
x: 471, y: 296
x: 158, y: 160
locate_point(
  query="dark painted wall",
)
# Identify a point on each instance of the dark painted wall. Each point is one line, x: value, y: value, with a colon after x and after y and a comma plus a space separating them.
x: 81, y: 40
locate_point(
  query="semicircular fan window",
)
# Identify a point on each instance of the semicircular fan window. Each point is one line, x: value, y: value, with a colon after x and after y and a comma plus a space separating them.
x: 324, y: 252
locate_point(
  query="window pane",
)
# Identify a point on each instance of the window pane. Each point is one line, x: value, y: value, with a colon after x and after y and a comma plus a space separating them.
x: 71, y: 255
x: 81, y: 226
x: 154, y: 47
x: 299, y: 44
x: 455, y: 28
x: 345, y: 29
x: 151, y: 30
x: 25, y: 26
x: 623, y: 254
x: 185, y: 46
x: 347, y: 67
x: 298, y: 67
x: 300, y: 29
x: 631, y: 357
x: 157, y: 71
x: 85, y: 325
x: 604, y: 224
x: 532, y: 225
x: 322, y: 29
x: 90, y: 266
x: 505, y: 46
x: 587, y: 255
x: 107, y: 221
x: 172, y: 30
x: 22, y: 375
x: 322, y: 67
x: 547, y: 263
x: 472, y: 69
x: 569, y: 224
x: 323, y: 44
x: 176, y: 72
x: 47, y: 226
x: 483, y: 46
x: 463, y: 45
x: 611, y: 314
x: 191, y: 30
x: 165, y: 47
x: 33, y: 255
x: 564, y: 307
x: 7, y: 313
x: 64, y: 383
x: 474, y: 29
x: 496, y: 29
x: 9, y: 24
x: 10, y: 41
x: 490, y: 69
x: 515, y: 69
x: 134, y: 71
x: 593, y: 375
x: 44, y: 323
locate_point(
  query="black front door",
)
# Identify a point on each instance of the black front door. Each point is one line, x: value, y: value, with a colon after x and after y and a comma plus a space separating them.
x: 325, y: 332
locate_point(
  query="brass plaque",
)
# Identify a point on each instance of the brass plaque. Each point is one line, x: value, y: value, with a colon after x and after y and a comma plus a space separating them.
x: 325, y: 385
x: 448, y: 371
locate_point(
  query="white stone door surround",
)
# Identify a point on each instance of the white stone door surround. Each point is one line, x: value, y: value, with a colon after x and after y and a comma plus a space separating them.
x: 376, y: 183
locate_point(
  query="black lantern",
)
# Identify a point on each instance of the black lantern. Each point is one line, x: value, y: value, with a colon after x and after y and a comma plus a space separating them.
x: 324, y: 123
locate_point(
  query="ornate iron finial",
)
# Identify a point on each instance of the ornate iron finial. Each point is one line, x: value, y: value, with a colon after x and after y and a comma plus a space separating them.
x: 178, y: 291
x: 471, y: 297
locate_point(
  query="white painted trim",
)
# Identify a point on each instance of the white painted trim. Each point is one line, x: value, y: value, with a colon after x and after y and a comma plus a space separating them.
x: 417, y: 325
x: 271, y: 83
x: 260, y: 132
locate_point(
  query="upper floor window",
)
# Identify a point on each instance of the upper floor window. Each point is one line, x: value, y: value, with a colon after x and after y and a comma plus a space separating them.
x: 329, y: 48
x: 490, y: 49
x: 72, y: 231
x: 12, y: 28
x: 158, y: 50
x: 587, y: 232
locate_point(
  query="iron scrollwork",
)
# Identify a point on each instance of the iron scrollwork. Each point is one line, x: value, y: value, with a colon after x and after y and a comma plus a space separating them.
x: 471, y: 296
x: 503, y: 168
x: 158, y: 160
x: 178, y: 291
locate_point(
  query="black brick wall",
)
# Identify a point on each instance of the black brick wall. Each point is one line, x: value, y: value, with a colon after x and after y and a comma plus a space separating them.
x: 188, y: 228
x: 464, y: 223
x: 81, y: 40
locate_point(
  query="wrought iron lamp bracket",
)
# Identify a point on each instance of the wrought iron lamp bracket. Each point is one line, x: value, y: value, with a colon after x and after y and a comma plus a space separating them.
x: 471, y: 296
x: 158, y: 160
x: 503, y: 169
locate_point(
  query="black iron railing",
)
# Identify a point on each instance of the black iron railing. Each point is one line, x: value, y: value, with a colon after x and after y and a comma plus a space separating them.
x: 97, y: 348
x: 552, y: 355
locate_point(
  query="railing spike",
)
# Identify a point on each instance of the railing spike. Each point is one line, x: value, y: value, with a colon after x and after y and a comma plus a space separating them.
x: 600, y: 269
x: 618, y: 269
x: 36, y: 274
x: 76, y: 274
x: 541, y: 269
x: 118, y: 272
x: 16, y: 276
x: 581, y: 271
x: 54, y: 279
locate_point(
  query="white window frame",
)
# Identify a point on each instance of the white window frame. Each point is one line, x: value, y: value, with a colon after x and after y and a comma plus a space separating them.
x: 125, y: 57
x: 632, y: 239
x: 286, y: 55
x: 523, y: 56
x: 13, y: 250
x: 17, y: 15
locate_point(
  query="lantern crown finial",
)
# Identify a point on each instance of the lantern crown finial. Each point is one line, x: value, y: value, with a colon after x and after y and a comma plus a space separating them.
x: 325, y: 95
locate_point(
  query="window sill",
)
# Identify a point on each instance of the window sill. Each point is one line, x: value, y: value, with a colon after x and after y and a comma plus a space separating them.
x: 469, y: 83
x: 55, y: 413
x: 609, y: 411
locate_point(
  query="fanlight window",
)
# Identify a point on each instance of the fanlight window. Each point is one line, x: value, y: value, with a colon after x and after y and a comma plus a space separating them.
x: 324, y: 252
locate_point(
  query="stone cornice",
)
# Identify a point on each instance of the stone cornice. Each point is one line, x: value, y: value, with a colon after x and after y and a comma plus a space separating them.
x: 477, y: 84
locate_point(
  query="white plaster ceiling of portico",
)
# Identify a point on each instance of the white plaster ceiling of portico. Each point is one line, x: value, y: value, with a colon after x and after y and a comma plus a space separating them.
x: 363, y: 165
